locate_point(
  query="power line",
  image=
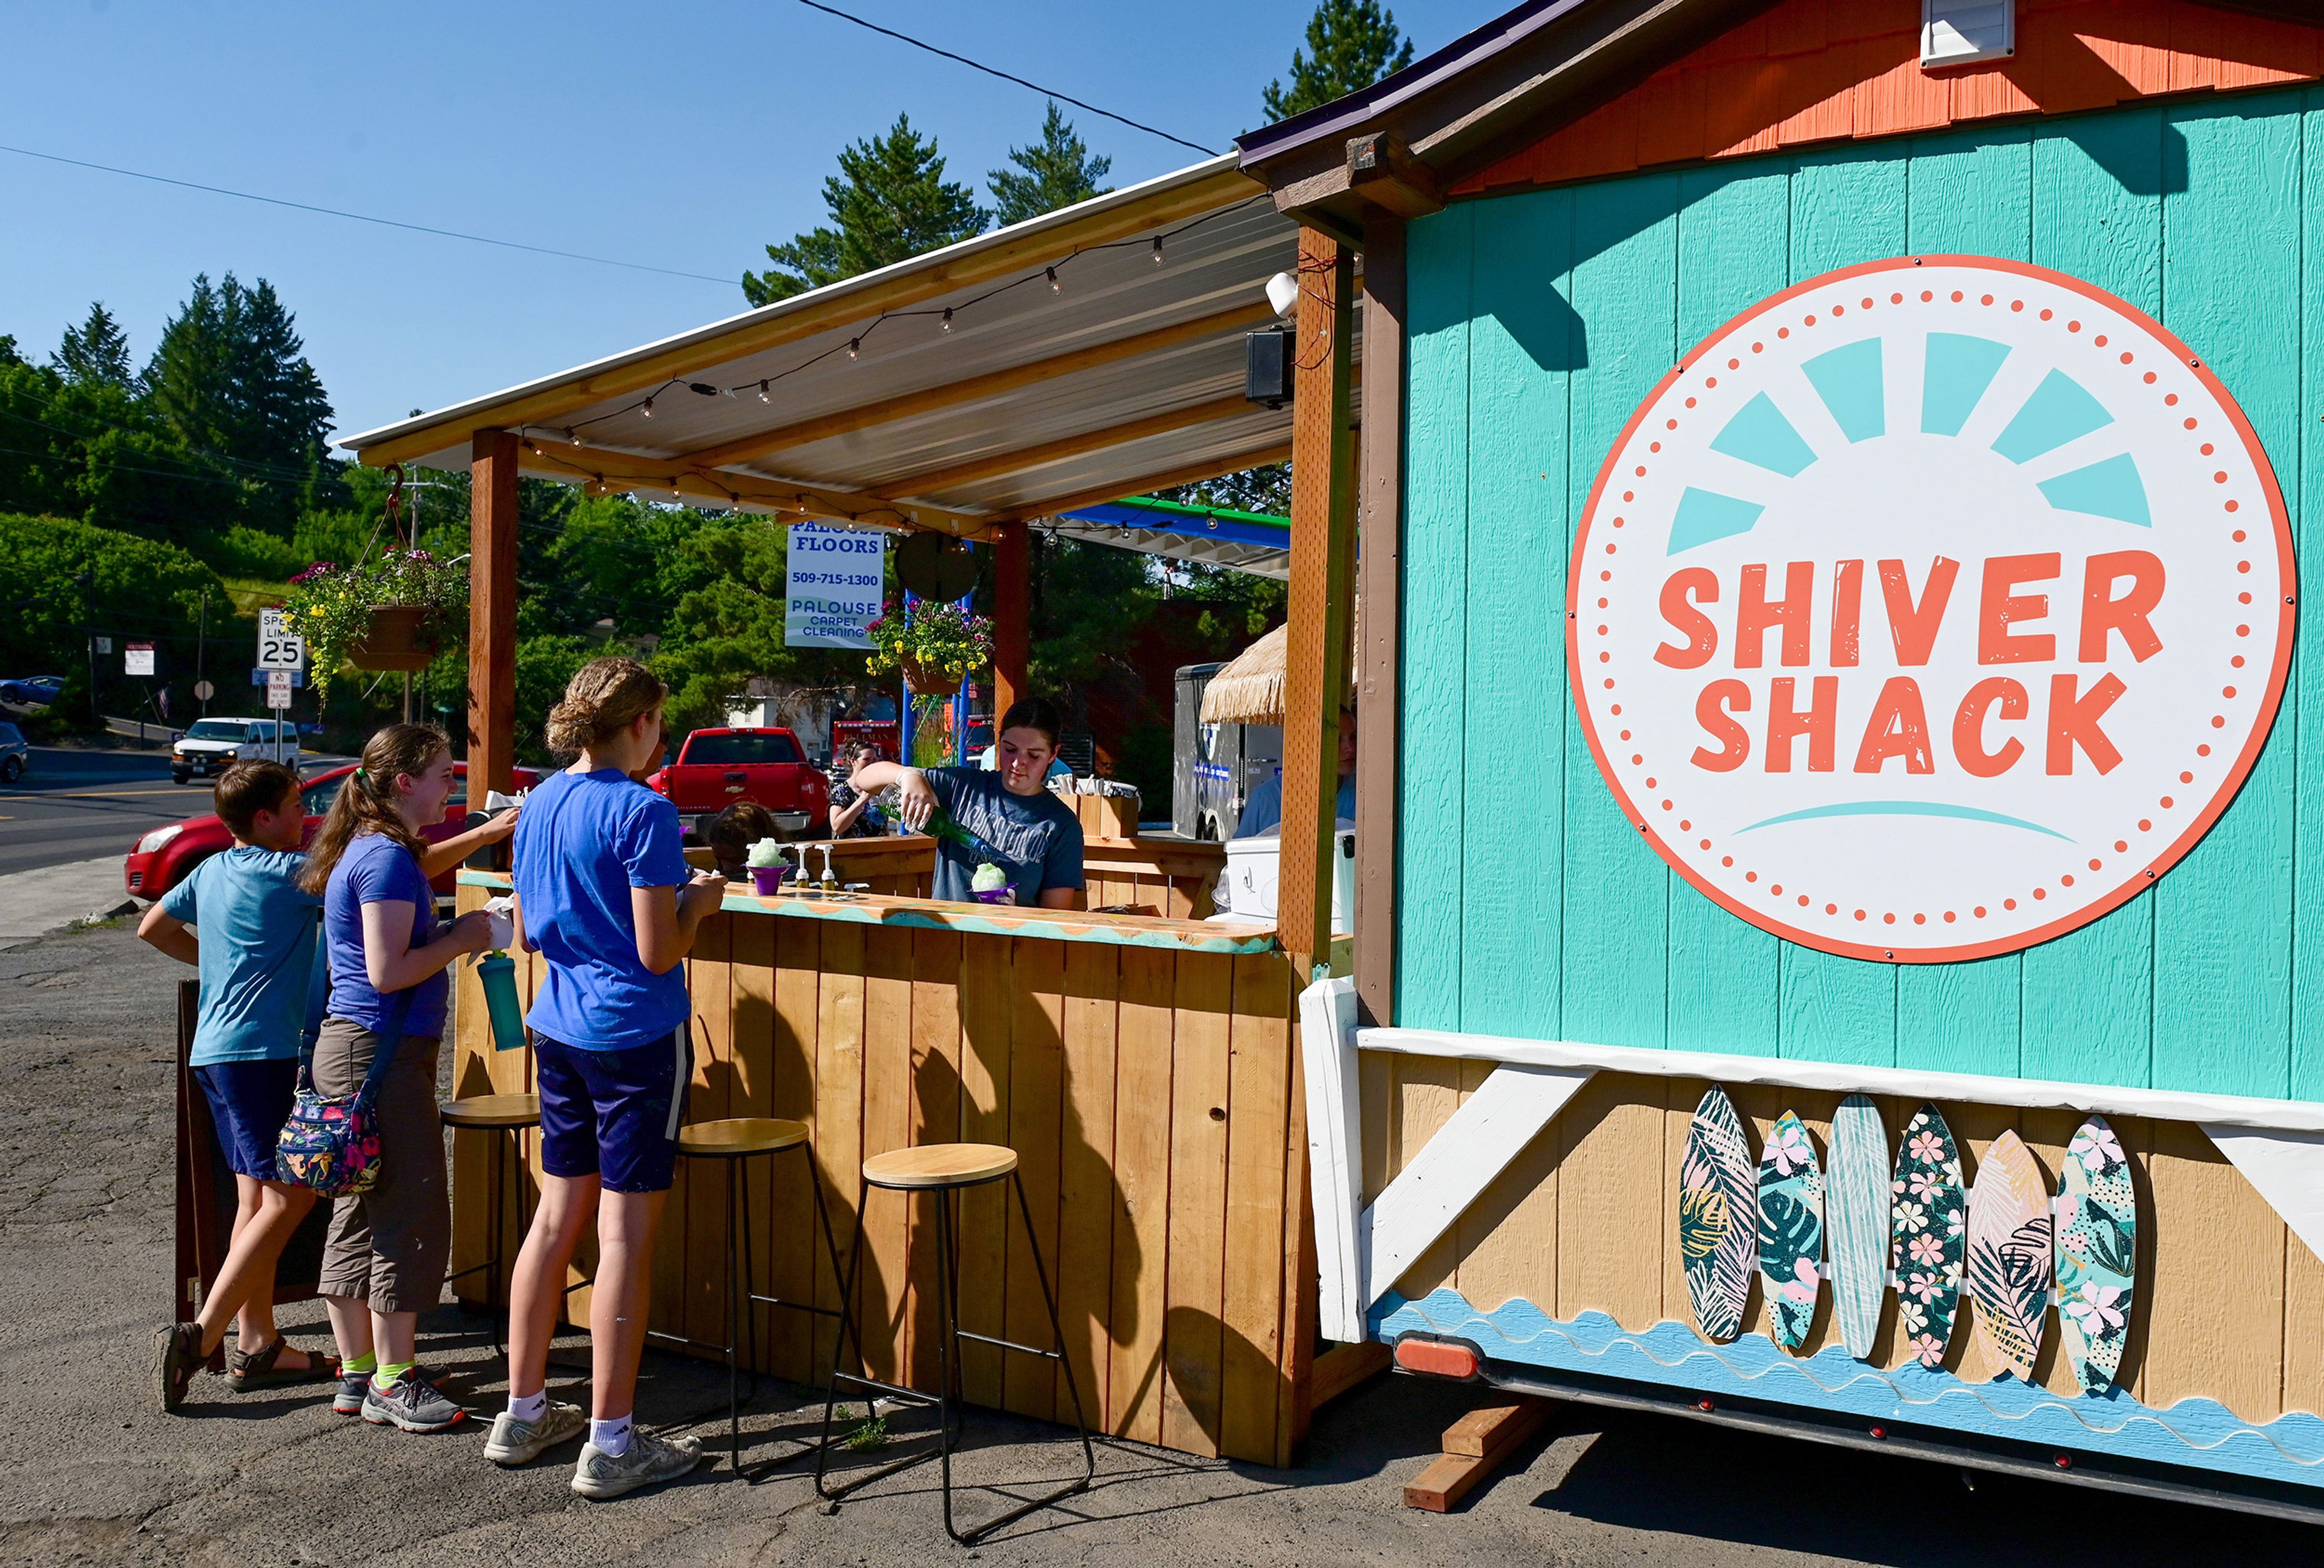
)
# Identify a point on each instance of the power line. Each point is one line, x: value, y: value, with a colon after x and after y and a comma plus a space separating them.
x: 1004, y: 76
x: 366, y: 218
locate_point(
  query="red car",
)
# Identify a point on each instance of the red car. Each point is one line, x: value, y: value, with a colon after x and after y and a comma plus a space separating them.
x: 717, y: 767
x: 164, y: 856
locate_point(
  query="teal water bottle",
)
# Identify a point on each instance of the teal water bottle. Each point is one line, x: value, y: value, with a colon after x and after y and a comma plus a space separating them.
x: 497, y: 972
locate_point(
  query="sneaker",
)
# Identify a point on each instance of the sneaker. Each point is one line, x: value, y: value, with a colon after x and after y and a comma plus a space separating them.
x: 649, y: 1461
x: 412, y: 1403
x: 515, y: 1441
x: 353, y: 1388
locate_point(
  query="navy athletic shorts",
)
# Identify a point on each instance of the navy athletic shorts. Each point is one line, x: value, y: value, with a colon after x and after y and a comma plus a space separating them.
x: 614, y: 1114
x: 249, y: 1104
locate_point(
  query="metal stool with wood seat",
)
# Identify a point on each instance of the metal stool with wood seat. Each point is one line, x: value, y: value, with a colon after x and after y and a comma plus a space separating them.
x: 493, y: 1114
x: 731, y: 1143
x: 945, y: 1170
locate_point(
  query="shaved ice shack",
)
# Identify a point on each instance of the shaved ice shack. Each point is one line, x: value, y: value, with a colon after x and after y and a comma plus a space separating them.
x: 1863, y: 989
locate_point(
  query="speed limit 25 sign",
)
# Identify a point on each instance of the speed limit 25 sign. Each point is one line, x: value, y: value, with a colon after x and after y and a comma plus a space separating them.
x: 279, y: 648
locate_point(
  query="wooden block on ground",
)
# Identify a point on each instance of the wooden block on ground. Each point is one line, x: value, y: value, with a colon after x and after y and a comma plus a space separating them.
x: 1341, y: 1369
x: 1474, y: 1447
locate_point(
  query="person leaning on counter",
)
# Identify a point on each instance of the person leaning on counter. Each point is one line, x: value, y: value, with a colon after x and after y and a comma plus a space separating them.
x: 1009, y: 817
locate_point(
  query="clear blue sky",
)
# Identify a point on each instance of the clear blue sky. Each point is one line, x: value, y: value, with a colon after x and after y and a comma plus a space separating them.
x: 683, y: 136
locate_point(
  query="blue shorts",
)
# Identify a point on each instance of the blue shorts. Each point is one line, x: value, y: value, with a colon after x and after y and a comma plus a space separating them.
x: 614, y: 1114
x: 249, y: 1104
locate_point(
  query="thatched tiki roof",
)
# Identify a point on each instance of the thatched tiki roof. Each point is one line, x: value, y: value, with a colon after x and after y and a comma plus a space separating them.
x: 1250, y: 689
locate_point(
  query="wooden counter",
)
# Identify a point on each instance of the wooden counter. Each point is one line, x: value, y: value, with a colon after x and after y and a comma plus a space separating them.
x: 1175, y: 878
x: 1144, y: 1070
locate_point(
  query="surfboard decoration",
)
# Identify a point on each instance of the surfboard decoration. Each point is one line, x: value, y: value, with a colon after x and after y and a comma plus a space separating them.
x: 1718, y: 1208
x: 2009, y: 1248
x: 1928, y: 1219
x: 1791, y: 1230
x: 2097, y: 1254
x: 1856, y: 1221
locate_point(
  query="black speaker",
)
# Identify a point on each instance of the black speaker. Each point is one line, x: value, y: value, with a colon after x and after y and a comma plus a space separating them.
x: 1267, y: 362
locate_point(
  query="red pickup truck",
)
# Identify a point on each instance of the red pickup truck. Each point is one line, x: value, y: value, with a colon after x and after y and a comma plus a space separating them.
x: 714, y: 769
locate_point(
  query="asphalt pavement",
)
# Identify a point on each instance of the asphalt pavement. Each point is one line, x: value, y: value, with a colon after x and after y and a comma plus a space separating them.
x: 93, y: 1474
x: 76, y: 803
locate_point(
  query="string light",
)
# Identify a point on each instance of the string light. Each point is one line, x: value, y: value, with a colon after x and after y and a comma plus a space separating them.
x: 854, y: 346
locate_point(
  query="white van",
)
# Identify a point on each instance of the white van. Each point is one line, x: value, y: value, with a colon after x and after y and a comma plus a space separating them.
x: 214, y: 745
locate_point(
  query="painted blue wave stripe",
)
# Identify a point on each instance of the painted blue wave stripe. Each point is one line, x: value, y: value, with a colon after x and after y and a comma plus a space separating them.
x: 2195, y: 1432
x: 1904, y: 808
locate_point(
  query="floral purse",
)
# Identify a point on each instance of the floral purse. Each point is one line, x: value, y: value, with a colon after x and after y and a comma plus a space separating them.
x: 331, y: 1143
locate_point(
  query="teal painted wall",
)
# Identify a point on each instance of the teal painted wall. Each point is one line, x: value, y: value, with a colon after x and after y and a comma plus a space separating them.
x: 1526, y: 905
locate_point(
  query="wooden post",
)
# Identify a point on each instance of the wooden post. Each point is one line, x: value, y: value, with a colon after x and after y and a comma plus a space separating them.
x: 492, y: 614
x: 1012, y: 616
x: 1323, y: 593
x: 1380, y: 562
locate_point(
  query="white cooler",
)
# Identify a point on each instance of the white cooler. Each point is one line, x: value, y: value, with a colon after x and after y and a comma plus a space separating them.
x: 1245, y: 891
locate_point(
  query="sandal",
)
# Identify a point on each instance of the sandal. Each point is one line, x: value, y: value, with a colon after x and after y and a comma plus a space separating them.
x: 177, y: 1357
x: 258, y: 1370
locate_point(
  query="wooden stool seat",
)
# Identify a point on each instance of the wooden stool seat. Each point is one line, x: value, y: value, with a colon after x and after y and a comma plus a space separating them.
x: 939, y: 1165
x: 739, y: 1135
x: 492, y: 1111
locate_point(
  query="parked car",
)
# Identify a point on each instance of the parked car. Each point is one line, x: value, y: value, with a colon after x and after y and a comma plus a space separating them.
x: 15, y: 753
x: 32, y: 691
x: 163, y: 857
x: 214, y: 745
x: 717, y: 767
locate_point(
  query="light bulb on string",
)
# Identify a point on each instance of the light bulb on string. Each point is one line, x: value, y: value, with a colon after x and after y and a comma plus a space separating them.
x: 1157, y: 249
x: 763, y: 393
x: 1053, y: 285
x: 855, y: 346
x: 573, y: 437
x: 646, y: 407
x: 946, y: 323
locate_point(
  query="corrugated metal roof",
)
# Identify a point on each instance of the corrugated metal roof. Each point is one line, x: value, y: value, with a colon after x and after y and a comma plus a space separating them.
x: 1125, y: 375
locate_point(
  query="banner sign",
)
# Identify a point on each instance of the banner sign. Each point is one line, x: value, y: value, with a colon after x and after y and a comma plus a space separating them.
x: 838, y: 578
x: 1931, y: 609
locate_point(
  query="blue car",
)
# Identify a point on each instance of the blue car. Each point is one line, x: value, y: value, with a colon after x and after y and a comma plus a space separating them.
x: 16, y: 755
x: 32, y: 691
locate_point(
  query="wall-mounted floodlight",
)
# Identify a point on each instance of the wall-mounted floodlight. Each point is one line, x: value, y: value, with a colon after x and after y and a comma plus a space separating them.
x: 1283, y: 293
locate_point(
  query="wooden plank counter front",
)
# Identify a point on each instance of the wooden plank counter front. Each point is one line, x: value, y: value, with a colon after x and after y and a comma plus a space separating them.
x: 1144, y: 1070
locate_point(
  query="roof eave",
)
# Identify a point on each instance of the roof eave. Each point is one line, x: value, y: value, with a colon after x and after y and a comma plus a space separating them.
x: 1031, y: 243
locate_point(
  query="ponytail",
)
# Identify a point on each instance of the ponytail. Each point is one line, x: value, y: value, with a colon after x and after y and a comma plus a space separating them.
x: 367, y: 801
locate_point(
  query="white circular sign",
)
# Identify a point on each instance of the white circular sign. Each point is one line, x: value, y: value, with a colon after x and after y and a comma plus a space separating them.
x: 1932, y: 608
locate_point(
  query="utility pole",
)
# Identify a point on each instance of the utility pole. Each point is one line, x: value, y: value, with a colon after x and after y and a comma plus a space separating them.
x: 201, y: 640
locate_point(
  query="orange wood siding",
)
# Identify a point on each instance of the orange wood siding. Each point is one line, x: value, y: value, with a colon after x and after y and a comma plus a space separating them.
x: 1832, y: 70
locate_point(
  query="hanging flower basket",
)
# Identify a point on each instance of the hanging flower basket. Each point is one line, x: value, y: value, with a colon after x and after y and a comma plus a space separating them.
x: 935, y: 645
x: 396, y: 640
x: 927, y: 679
x: 394, y: 613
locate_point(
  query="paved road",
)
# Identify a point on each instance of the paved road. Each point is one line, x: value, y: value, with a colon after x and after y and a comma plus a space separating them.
x: 93, y: 1474
x: 76, y: 803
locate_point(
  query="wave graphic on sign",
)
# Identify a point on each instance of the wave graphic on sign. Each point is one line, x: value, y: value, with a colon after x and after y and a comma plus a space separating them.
x: 1957, y: 372
x: 1904, y: 808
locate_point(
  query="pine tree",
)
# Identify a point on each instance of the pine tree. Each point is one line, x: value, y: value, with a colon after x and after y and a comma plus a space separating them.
x: 1058, y: 171
x: 889, y: 201
x: 189, y: 380
x: 283, y: 413
x: 96, y: 353
x: 1351, y: 44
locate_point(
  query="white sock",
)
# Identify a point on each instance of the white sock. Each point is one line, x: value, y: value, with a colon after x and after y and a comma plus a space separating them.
x: 530, y: 1408
x: 610, y: 1438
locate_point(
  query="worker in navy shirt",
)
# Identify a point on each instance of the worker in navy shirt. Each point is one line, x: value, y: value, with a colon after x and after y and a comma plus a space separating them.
x: 1005, y: 818
x: 1263, y: 812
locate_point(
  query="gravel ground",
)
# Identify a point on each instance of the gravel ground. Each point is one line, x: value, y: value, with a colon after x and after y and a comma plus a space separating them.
x: 94, y: 1475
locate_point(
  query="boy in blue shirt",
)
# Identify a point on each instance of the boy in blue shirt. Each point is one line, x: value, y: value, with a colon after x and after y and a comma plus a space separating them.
x: 255, y: 950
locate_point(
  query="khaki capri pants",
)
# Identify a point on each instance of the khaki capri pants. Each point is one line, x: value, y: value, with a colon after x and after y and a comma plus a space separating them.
x: 389, y: 1246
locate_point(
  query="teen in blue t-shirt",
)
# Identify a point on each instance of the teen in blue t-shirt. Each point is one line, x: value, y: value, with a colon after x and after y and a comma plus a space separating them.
x: 253, y: 940
x: 604, y: 895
